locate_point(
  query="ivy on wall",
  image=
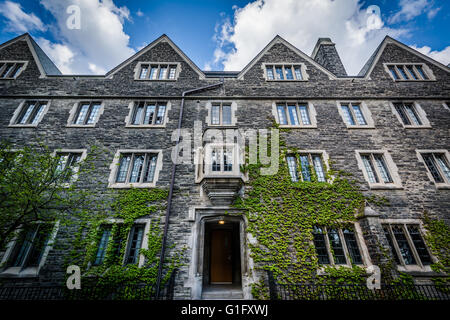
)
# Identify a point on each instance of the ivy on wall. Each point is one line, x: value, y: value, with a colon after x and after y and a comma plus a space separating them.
x: 127, y: 206
x: 281, y: 216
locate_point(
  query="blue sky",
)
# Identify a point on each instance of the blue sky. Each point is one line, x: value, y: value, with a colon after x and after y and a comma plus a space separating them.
x: 223, y: 35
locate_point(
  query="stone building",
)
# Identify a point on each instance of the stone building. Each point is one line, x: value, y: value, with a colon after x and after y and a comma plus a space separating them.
x: 389, y: 126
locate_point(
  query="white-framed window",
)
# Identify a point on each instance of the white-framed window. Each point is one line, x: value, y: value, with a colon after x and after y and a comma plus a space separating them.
x: 221, y: 113
x: 148, y: 114
x: 295, y: 114
x: 137, y: 168
x: 219, y: 160
x: 378, y: 169
x: 355, y: 114
x: 68, y: 163
x: 285, y: 71
x: 29, y: 113
x: 437, y: 163
x: 26, y: 254
x: 168, y: 71
x: 410, y: 114
x: 407, y: 245
x: 409, y: 71
x: 85, y: 114
x: 307, y: 166
x: 10, y: 70
x: 337, y: 246
x: 136, y: 240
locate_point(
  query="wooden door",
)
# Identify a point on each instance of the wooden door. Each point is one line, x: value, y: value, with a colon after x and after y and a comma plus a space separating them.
x: 221, y: 257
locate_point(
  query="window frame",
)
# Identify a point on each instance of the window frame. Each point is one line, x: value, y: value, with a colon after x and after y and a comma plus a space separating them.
x: 418, y: 111
x: 292, y: 65
x: 446, y: 154
x: 221, y: 104
x: 150, y: 64
x: 365, y: 258
x: 115, y: 165
x: 310, y: 109
x: 133, y: 105
x: 4, y: 64
x: 144, y: 243
x: 419, y: 266
x: 364, y: 110
x: 324, y: 161
x: 31, y: 271
x: 83, y: 156
x: 404, y: 66
x: 76, y: 109
x: 18, y: 113
x: 390, y: 166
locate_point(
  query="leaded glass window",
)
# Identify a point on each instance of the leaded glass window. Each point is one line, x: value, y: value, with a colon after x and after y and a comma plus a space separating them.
x: 408, y: 72
x: 353, y: 114
x: 29, y: 248
x: 336, y: 246
x: 284, y: 72
x: 376, y: 168
x: 10, y: 70
x: 67, y: 164
x: 407, y: 244
x: 31, y: 112
x: 134, y: 244
x: 221, y: 114
x: 293, y: 114
x: 87, y: 113
x: 136, y: 168
x: 157, y: 72
x: 438, y: 165
x: 292, y: 166
x: 148, y: 113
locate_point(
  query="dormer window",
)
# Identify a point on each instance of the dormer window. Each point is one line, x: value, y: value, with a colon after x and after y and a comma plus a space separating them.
x: 409, y: 72
x: 285, y: 72
x: 157, y: 71
x: 11, y: 69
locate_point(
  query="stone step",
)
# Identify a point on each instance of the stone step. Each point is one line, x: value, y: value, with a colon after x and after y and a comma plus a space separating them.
x: 222, y: 295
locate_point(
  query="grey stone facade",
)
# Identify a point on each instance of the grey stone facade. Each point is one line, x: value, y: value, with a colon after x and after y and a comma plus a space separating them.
x: 254, y: 97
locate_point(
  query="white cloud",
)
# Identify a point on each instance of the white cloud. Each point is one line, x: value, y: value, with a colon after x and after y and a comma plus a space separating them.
x: 410, y: 9
x: 139, y: 13
x: 355, y: 31
x: 60, y: 54
x: 101, y: 43
x: 432, y: 13
x: 442, y: 56
x: 18, y: 20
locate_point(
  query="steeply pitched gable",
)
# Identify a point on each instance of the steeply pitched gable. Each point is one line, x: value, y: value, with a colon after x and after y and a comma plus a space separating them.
x: 375, y: 57
x: 280, y: 40
x: 44, y: 63
x: 163, y: 39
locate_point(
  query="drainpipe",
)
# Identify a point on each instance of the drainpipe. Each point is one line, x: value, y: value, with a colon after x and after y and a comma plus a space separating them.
x: 172, y: 182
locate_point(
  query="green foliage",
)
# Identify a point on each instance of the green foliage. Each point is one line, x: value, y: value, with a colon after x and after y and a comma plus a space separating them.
x: 128, y: 205
x: 438, y: 240
x: 282, y: 214
x: 34, y: 188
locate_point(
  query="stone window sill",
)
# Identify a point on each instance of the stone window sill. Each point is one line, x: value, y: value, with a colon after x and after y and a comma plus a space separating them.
x: 287, y: 126
x: 360, y: 127
x: 16, y: 272
x: 131, y: 185
x: 23, y: 125
x: 416, y: 127
x: 145, y: 126
x: 385, y: 187
x: 81, y: 125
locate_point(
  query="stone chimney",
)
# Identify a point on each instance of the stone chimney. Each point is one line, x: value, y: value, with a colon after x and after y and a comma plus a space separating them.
x: 325, y: 53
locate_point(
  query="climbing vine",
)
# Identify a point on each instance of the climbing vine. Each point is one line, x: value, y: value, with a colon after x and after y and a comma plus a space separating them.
x: 282, y: 215
x: 127, y: 206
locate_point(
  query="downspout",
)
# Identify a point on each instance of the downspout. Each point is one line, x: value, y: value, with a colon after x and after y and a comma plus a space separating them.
x: 172, y: 182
